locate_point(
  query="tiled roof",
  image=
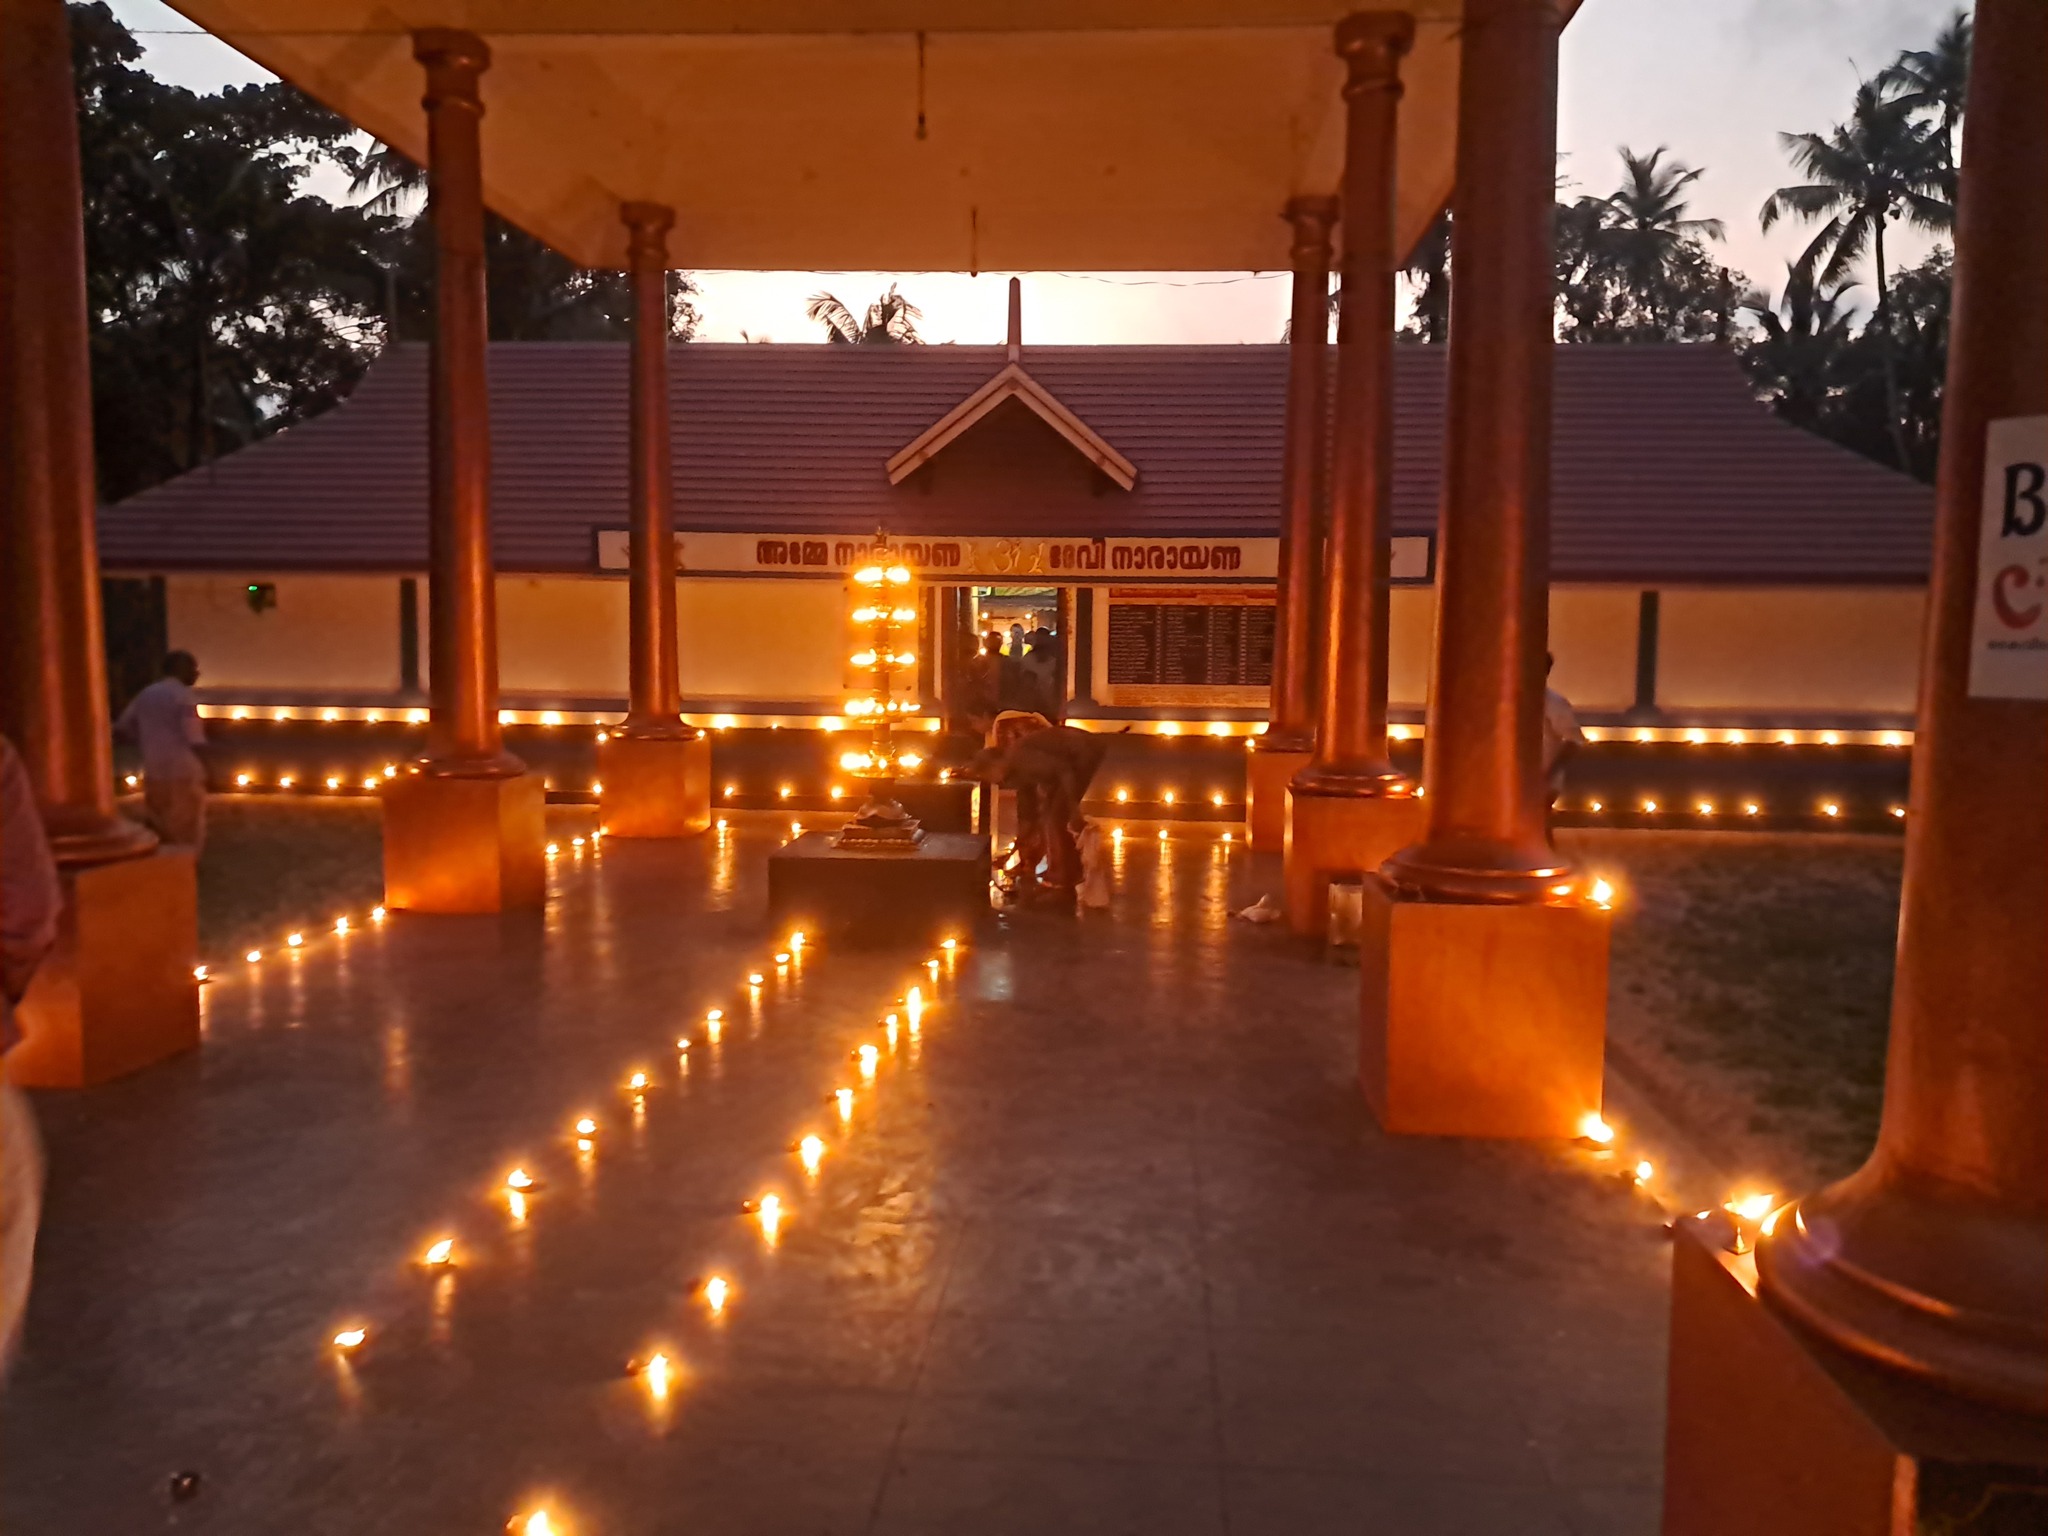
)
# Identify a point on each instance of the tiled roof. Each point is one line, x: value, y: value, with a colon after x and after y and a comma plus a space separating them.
x: 1665, y: 468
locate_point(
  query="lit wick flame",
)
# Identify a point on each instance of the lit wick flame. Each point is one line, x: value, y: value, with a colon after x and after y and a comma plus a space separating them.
x: 796, y: 940
x: 519, y: 1179
x: 536, y: 1524
x: 949, y: 943
x: 1593, y: 1128
x: 889, y: 1027
x: 1602, y: 894
x: 715, y: 1293
x: 440, y: 1255
x: 812, y: 1150
x: 755, y: 978
x: 770, y: 1211
x: 637, y: 1083
x: 1751, y: 1208
x: 1645, y: 1171
x: 845, y: 1098
x: 351, y: 1338
x: 586, y: 1126
x: 868, y: 1057
x: 656, y: 1373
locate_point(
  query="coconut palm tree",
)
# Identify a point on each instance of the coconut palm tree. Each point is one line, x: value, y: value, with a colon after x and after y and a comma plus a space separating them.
x: 1641, y: 226
x: 890, y: 319
x: 1934, y: 80
x: 1429, y: 278
x: 1805, y: 331
x: 1879, y: 166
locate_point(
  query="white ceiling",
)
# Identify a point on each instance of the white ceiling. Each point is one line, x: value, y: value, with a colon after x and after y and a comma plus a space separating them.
x: 1101, y: 135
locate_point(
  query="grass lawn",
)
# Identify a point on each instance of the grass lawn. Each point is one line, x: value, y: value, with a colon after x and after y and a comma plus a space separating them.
x: 1751, y: 988
x: 274, y: 865
x: 1751, y: 978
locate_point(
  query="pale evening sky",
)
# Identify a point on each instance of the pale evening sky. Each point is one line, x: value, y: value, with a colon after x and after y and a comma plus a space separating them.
x: 1714, y: 79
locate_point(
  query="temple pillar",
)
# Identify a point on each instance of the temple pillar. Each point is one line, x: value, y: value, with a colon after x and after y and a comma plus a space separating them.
x: 118, y: 991
x: 465, y: 826
x: 1484, y: 964
x: 1347, y: 808
x: 1285, y: 746
x: 1915, y: 1291
x: 656, y: 770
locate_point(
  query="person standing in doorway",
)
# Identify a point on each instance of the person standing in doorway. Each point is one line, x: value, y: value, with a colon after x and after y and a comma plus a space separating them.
x: 1562, y: 737
x: 981, y: 685
x: 30, y: 900
x: 163, y: 723
x: 1045, y: 670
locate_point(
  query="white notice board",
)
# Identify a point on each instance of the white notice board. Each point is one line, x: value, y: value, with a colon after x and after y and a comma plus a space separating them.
x: 2009, y: 641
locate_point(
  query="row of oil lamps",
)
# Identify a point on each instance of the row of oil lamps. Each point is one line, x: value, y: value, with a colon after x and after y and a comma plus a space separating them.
x: 657, y: 1371
x: 1644, y: 805
x: 1248, y: 730
x: 1747, y: 1214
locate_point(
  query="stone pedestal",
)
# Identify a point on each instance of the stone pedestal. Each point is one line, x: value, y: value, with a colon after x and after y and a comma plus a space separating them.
x: 937, y: 890
x: 655, y: 786
x: 464, y: 845
x: 1327, y: 835
x: 1481, y: 1020
x: 1778, y: 1433
x: 117, y: 993
x: 1266, y: 776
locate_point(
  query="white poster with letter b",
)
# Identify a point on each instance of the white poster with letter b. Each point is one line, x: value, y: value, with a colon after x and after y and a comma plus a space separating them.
x: 2009, y: 644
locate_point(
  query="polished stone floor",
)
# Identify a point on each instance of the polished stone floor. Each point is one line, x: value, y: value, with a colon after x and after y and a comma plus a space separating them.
x: 1107, y: 1244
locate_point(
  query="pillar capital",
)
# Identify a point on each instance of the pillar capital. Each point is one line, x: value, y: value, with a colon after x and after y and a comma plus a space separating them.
x: 647, y: 227
x: 455, y: 61
x: 1372, y: 45
x: 1312, y: 217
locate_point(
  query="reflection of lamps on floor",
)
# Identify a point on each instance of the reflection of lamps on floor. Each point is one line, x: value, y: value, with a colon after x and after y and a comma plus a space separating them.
x: 881, y: 823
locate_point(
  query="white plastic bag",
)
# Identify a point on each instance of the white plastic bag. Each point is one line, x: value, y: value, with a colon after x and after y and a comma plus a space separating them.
x: 1093, y: 892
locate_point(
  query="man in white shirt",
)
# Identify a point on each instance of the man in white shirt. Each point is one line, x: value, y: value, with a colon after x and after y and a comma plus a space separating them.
x: 163, y: 722
x: 1562, y: 737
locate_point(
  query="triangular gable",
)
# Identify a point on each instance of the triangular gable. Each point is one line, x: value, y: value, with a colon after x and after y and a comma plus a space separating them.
x: 1013, y: 383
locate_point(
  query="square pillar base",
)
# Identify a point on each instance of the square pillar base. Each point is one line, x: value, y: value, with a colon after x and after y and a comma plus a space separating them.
x: 655, y: 787
x: 1782, y: 1434
x: 1266, y: 776
x: 117, y: 992
x: 1481, y: 1020
x: 464, y: 845
x: 1329, y: 835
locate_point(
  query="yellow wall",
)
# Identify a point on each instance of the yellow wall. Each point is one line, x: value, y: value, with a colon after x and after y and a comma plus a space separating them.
x: 1826, y: 648
x: 1812, y: 648
x: 1593, y: 639
x: 761, y: 639
x: 1411, y: 634
x: 327, y: 633
x: 562, y: 636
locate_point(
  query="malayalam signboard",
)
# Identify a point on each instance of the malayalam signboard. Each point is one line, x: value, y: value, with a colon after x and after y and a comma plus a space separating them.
x: 2009, y: 638
x: 992, y: 559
